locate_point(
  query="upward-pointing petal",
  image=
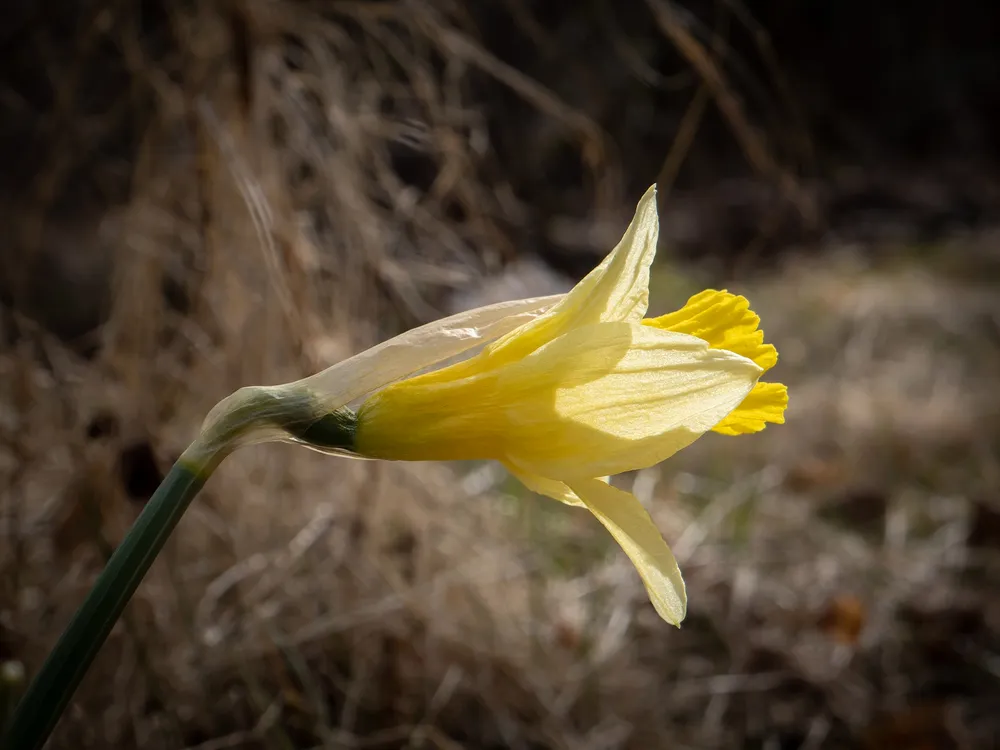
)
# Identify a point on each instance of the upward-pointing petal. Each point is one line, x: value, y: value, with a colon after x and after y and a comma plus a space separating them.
x: 618, y: 289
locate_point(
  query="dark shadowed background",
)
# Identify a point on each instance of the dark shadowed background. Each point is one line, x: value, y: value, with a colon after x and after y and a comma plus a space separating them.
x: 196, y: 196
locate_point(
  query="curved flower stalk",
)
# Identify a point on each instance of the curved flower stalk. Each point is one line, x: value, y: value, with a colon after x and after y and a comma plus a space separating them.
x: 563, y: 391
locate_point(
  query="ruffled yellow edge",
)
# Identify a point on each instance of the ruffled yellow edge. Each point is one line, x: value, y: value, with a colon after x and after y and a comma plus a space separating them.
x: 726, y: 321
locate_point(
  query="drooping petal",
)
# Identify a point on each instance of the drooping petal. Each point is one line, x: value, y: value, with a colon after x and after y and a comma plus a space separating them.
x: 765, y: 403
x: 614, y: 397
x: 618, y: 289
x: 623, y: 515
x: 725, y: 321
x: 421, y: 347
x: 549, y: 487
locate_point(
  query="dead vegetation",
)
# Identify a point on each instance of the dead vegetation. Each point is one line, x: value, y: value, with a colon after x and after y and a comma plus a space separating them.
x: 311, y: 179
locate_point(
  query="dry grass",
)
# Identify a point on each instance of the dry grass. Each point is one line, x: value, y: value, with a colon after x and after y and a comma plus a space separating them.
x: 841, y: 568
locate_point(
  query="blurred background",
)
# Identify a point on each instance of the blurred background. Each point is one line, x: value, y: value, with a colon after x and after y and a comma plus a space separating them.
x: 204, y: 194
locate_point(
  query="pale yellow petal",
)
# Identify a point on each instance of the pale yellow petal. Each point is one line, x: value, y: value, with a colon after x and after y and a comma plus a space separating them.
x: 421, y: 347
x: 765, y: 403
x: 423, y: 420
x: 725, y: 321
x: 613, y: 397
x: 599, y: 400
x: 618, y: 289
x: 548, y: 487
x: 629, y: 523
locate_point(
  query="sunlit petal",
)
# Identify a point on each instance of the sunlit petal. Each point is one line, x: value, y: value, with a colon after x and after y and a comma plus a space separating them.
x: 623, y: 515
x: 618, y: 289
x: 614, y: 397
x: 599, y: 400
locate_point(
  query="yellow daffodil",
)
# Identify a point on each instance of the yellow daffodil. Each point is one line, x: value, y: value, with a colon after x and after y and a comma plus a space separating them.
x: 565, y: 391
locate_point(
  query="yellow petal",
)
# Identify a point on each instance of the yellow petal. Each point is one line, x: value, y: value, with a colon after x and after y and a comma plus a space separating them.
x: 423, y: 420
x: 765, y: 403
x: 629, y: 523
x: 612, y: 397
x: 548, y: 487
x: 618, y: 289
x: 421, y: 347
x: 725, y: 321
x: 599, y: 400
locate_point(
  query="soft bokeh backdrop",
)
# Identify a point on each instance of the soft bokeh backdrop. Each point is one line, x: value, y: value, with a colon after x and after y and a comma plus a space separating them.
x: 201, y: 195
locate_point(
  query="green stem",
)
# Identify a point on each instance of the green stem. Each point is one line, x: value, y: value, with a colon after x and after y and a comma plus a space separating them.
x: 52, y: 688
x: 252, y: 414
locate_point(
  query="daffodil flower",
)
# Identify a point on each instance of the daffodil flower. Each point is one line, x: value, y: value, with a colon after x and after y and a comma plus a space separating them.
x: 564, y: 392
